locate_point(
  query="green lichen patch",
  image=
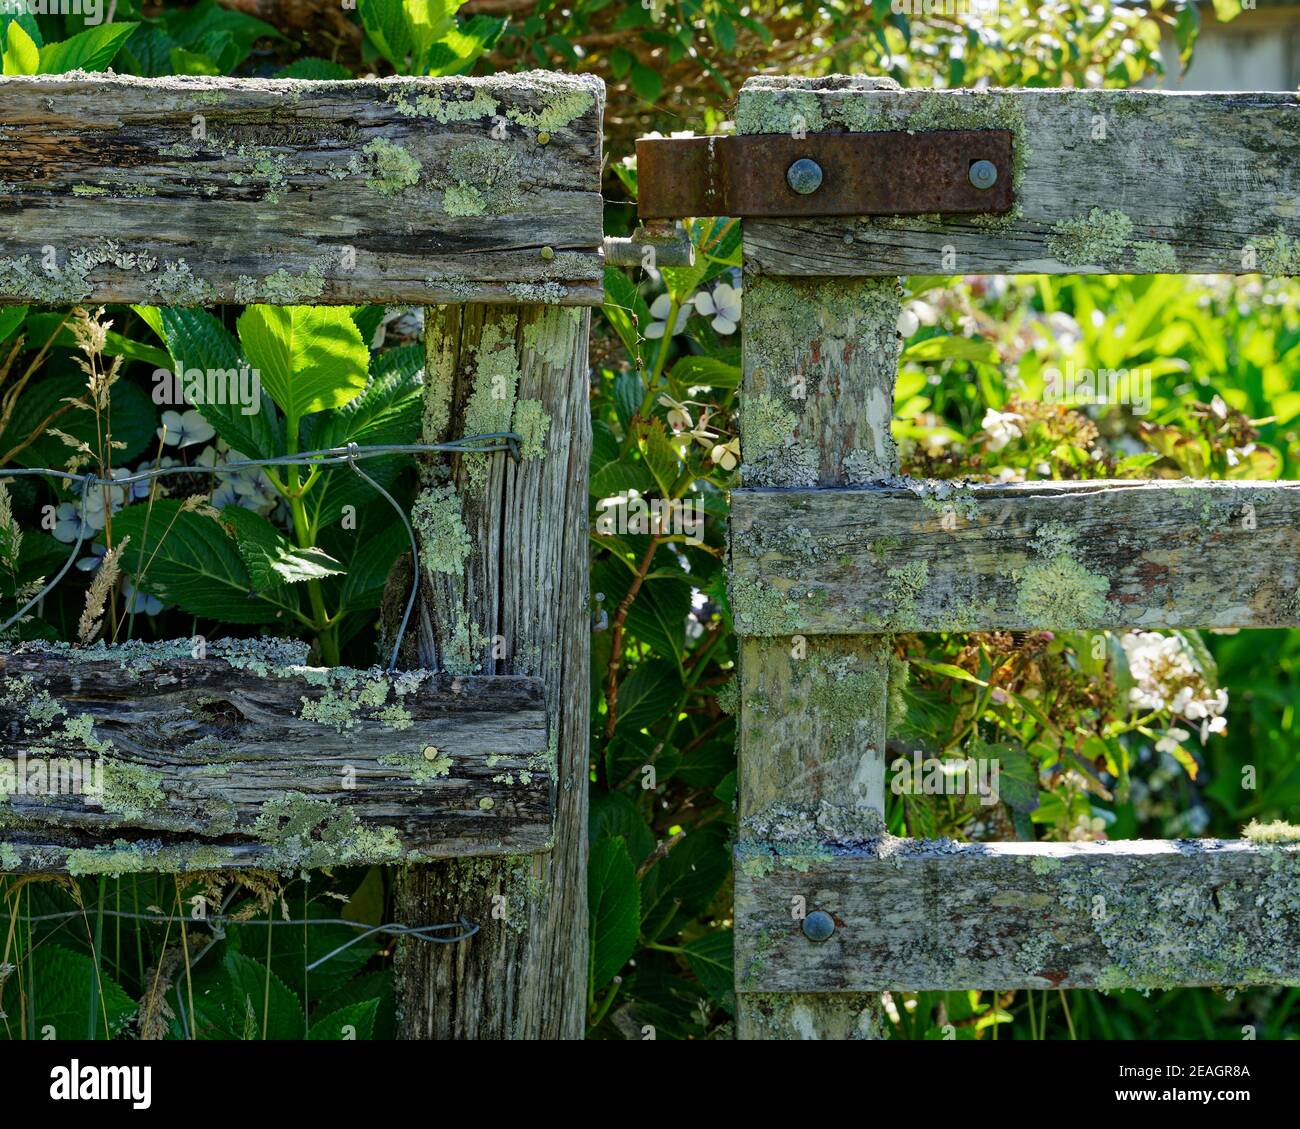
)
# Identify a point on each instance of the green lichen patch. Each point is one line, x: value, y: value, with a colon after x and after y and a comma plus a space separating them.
x: 491, y: 404
x: 282, y: 288
x: 422, y: 766
x: 1153, y: 257
x: 1277, y: 254
x: 451, y: 107
x: 303, y: 833
x: 774, y: 454
x: 760, y: 610
x: 1059, y: 592
x: 391, y: 168
x: 145, y: 856
x: 130, y: 790
x: 69, y: 282
x: 1279, y: 831
x: 532, y: 422
x: 444, y: 541
x: 904, y: 588
x: 1097, y: 239
x: 482, y: 179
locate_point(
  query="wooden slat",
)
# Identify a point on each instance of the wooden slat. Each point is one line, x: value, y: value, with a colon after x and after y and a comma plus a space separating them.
x: 392, y: 190
x: 254, y: 760
x: 1160, y: 553
x: 926, y: 915
x: 1142, y: 182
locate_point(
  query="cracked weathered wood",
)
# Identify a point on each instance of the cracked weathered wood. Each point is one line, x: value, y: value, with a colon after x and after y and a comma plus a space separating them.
x: 189, y: 191
x: 1158, y: 553
x: 819, y: 360
x: 943, y: 916
x: 176, y: 763
x: 505, y: 592
x: 1107, y: 181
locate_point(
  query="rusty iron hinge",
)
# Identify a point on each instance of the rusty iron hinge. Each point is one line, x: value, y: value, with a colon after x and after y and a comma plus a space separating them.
x: 956, y: 172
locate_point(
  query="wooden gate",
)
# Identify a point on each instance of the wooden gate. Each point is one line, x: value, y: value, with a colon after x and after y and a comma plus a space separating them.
x: 479, y: 199
x: 832, y: 551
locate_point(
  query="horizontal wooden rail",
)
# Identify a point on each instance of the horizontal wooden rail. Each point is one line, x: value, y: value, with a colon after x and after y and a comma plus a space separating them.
x: 1105, y: 181
x: 937, y: 915
x: 160, y: 761
x: 1155, y: 553
x: 188, y: 191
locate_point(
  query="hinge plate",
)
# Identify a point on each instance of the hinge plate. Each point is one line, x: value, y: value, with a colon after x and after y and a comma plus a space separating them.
x: 863, y: 174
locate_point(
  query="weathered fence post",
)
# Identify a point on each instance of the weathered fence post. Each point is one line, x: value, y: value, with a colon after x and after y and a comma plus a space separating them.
x: 819, y: 360
x: 505, y: 591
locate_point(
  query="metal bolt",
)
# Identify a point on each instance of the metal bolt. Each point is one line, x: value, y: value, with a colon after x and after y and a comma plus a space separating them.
x: 548, y: 253
x: 543, y: 138
x: 984, y: 174
x: 431, y: 752
x: 818, y: 925
x: 804, y: 176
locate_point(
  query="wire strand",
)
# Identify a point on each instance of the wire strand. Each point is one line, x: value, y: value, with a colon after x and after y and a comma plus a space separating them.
x: 349, y: 455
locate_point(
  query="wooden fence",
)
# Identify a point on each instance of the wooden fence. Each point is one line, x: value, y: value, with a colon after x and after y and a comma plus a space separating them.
x: 479, y: 199
x: 831, y: 551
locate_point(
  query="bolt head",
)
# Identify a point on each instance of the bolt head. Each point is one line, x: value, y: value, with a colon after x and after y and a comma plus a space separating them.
x: 818, y: 925
x: 984, y: 174
x: 431, y: 752
x: 804, y: 176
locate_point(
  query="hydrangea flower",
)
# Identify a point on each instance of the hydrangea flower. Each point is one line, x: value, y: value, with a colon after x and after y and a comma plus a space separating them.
x: 723, y: 305
x: 1002, y: 427
x: 184, y: 429
x: 660, y: 308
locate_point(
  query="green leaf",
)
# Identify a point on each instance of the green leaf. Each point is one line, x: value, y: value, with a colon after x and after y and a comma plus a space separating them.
x: 952, y: 348
x: 614, y: 909
x: 189, y: 560
x: 692, y: 370
x: 614, y: 814
x: 90, y: 50
x: 11, y: 317
x: 660, y: 456
x: 1017, y: 776
x: 311, y: 358
x: 370, y: 565
x: 197, y: 340
x: 258, y: 1000
x: 685, y: 881
x: 625, y: 309
x: 354, y: 1022
x: 711, y: 959
x: 270, y: 557
x: 458, y: 50
x: 646, y: 83
x: 65, y: 989
x: 22, y: 56
x: 648, y: 693
x: 133, y: 418
x: 319, y: 70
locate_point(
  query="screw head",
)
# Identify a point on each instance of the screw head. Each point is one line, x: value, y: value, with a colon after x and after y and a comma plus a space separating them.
x: 430, y: 752
x: 804, y: 176
x: 984, y: 174
x: 818, y: 925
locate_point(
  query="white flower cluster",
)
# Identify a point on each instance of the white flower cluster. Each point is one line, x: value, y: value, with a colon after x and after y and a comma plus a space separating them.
x: 1168, y: 677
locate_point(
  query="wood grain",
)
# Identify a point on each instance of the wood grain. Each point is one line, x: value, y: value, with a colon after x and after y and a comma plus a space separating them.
x: 515, y: 603
x: 1160, y: 553
x: 204, y: 764
x: 917, y: 915
x: 189, y: 191
x: 1180, y: 183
